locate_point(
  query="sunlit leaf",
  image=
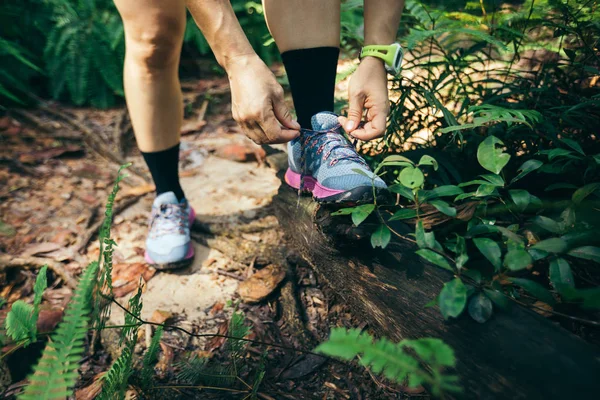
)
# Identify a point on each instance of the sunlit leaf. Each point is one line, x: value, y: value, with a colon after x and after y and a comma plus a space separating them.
x: 411, y: 177
x: 381, y: 237
x: 360, y: 213
x: 490, y: 156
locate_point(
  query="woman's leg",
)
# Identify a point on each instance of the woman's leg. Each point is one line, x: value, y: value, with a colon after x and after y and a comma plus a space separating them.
x: 310, y: 58
x: 153, y: 37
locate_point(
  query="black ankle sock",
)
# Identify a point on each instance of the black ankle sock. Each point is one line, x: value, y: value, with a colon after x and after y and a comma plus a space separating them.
x: 164, y: 168
x: 311, y: 73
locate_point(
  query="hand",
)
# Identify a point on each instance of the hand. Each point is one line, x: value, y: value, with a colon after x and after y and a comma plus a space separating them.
x: 257, y: 102
x: 367, y: 91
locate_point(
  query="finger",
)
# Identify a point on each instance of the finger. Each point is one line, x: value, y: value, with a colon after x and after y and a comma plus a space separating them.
x: 374, y: 128
x: 274, y: 132
x: 283, y: 114
x: 355, y: 112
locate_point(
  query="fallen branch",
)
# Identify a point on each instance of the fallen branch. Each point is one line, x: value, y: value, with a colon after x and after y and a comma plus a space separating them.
x: 7, y: 261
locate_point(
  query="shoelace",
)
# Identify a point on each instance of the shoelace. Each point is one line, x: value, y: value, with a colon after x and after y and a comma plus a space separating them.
x: 171, y: 218
x: 333, y: 141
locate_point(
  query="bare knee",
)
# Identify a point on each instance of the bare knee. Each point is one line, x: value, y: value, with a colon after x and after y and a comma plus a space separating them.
x: 155, y: 45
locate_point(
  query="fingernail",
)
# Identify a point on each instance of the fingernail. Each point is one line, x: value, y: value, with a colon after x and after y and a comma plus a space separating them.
x: 296, y: 124
x: 349, y: 125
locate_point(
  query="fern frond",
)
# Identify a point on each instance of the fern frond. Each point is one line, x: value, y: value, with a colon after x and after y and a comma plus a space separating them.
x: 56, y: 373
x: 150, y: 358
x: 20, y: 322
x: 114, y: 382
x: 104, y: 287
x: 394, y: 361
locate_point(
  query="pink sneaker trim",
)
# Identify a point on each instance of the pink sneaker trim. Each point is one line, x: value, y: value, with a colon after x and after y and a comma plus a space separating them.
x: 310, y: 184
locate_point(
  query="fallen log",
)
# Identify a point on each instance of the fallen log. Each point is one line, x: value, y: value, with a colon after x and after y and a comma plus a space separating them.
x: 518, y: 354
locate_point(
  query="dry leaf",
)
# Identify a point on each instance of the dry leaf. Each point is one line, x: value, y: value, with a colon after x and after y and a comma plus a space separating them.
x: 126, y: 277
x: 160, y: 316
x: 91, y: 391
x: 138, y: 190
x: 261, y: 284
x: 40, y: 248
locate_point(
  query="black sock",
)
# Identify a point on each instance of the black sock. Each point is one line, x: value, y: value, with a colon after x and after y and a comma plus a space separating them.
x: 164, y: 168
x: 311, y: 73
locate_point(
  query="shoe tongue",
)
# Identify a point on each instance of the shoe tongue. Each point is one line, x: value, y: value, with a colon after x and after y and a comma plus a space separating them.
x: 165, y: 198
x: 324, y: 121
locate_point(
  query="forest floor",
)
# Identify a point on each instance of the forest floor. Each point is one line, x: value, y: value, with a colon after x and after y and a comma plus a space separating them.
x: 57, y: 166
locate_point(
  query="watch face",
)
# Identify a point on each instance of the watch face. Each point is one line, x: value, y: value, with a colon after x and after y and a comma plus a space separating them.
x: 398, y: 58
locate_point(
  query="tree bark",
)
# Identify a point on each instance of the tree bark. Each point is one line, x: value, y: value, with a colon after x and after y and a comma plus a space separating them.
x: 517, y: 354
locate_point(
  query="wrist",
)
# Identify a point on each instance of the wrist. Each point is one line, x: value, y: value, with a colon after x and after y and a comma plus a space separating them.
x: 373, y: 62
x: 236, y: 61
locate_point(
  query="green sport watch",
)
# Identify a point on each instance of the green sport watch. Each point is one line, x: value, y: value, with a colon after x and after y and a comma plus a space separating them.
x: 391, y: 55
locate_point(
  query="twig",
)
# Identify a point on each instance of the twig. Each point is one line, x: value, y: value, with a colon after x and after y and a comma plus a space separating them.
x: 93, y: 230
x: 58, y: 268
x: 229, y: 274
x: 120, y: 131
x: 204, y: 335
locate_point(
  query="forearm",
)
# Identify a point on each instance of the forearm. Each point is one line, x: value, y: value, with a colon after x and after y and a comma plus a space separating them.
x: 382, y: 18
x: 220, y: 27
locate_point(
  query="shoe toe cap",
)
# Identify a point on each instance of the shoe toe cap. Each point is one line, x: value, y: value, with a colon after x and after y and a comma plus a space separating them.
x: 169, y: 254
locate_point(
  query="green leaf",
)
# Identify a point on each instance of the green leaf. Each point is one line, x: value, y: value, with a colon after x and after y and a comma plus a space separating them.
x: 361, y: 213
x: 574, y: 145
x: 453, y: 298
x: 494, y: 179
x: 552, y: 245
x: 435, y: 258
x: 490, y: 156
x: 404, y: 213
x: 480, y: 308
x: 552, y: 154
x: 41, y: 283
x: 444, y: 191
x: 475, y: 182
x: 443, y: 207
x: 591, y: 253
x: 484, y: 190
x: 424, y: 239
x: 428, y: 160
x: 361, y: 172
x: 464, y: 196
x: 461, y: 252
x: 561, y: 274
x: 344, y: 211
x: 412, y: 177
x: 491, y: 250
x: 526, y: 168
x: 583, y: 192
x: 381, y: 237
x: 402, y: 191
x: 498, y: 298
x: 507, y: 233
x: 396, y: 158
x: 517, y: 259
x: 21, y: 322
x: 535, y: 289
x: 547, y: 223
x: 556, y: 186
x: 520, y: 197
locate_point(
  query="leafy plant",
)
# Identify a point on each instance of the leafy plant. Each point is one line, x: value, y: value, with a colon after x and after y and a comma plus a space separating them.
x: 416, y: 362
x: 21, y: 320
x: 55, y: 374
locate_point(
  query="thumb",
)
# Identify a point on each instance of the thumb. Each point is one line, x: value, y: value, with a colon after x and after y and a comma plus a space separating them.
x: 355, y: 112
x: 283, y: 114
